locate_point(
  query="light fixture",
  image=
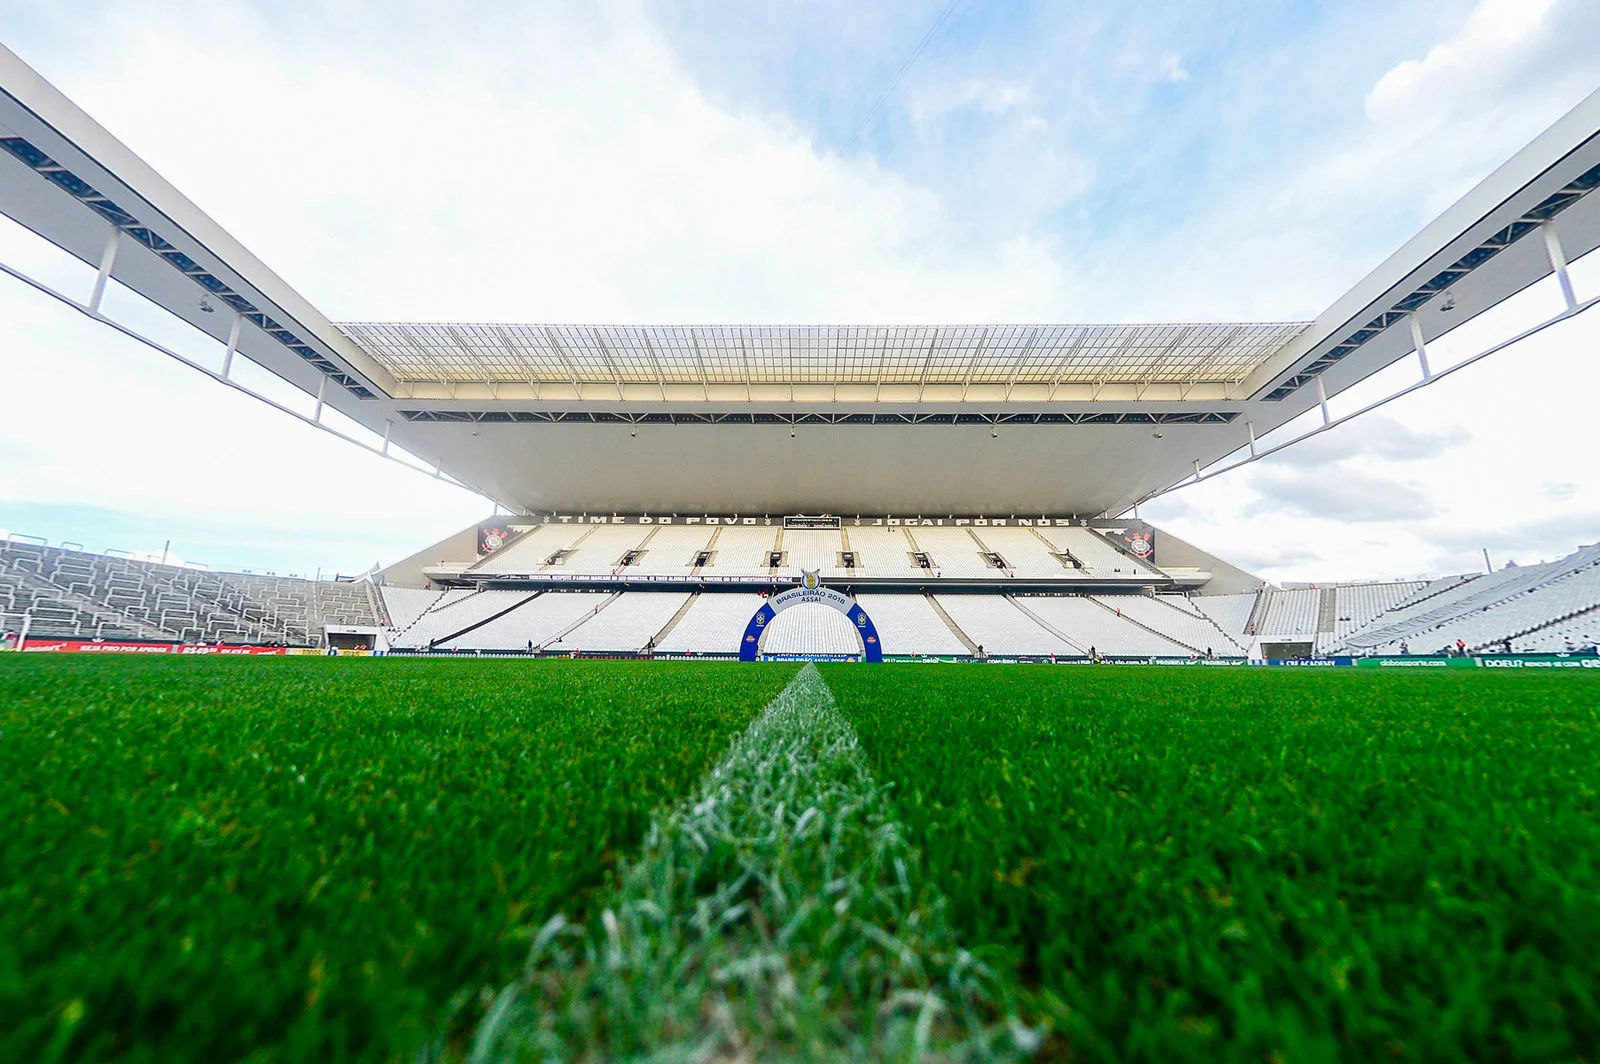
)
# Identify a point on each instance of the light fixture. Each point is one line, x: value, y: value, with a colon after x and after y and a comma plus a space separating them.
x: 791, y: 432
x: 634, y: 431
x: 1157, y: 435
x: 205, y: 305
x: 1449, y: 301
x: 994, y: 433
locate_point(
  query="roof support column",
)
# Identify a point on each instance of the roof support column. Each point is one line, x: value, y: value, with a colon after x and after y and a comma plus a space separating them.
x: 387, y: 425
x: 1420, y: 346
x: 1322, y: 399
x: 322, y: 388
x: 233, y: 344
x: 1558, y: 263
x: 1250, y: 427
x: 108, y: 261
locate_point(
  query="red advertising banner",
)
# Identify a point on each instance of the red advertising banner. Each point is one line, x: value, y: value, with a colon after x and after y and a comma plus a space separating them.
x: 86, y: 646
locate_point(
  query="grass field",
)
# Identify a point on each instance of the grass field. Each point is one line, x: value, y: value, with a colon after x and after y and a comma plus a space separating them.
x: 1263, y: 864
x: 340, y: 859
x: 311, y: 859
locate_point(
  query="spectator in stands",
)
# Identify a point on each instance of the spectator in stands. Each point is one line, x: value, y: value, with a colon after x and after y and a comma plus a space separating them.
x: 1461, y: 648
x: 980, y: 650
x: 1094, y: 655
x: 1210, y: 653
x: 1405, y: 648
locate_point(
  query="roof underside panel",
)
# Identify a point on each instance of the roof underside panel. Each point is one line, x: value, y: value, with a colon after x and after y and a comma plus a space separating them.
x: 857, y: 354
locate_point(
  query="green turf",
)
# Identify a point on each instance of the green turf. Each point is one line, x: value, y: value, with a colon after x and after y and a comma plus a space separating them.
x: 1262, y: 864
x: 307, y: 859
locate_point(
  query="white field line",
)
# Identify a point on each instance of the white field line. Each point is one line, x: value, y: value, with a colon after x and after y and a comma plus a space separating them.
x: 776, y: 914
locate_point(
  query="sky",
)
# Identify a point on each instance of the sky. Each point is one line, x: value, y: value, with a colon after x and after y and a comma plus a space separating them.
x: 720, y: 161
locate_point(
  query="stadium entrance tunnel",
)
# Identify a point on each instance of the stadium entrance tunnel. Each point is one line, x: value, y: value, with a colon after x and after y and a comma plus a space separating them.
x: 810, y: 591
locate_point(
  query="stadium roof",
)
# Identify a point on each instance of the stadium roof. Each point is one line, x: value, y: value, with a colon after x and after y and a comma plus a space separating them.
x: 1083, y: 419
x: 746, y: 361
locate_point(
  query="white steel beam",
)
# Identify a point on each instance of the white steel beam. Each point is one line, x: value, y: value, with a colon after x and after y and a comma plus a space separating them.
x: 1558, y: 262
x: 1419, y: 345
x: 233, y: 344
x: 1257, y: 454
x: 155, y: 345
x: 108, y: 262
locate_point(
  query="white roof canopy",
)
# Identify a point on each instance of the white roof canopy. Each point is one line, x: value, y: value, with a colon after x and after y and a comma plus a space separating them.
x: 1182, y: 353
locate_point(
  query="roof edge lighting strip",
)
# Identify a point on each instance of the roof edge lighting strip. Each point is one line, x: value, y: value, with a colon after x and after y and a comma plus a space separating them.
x: 1546, y: 209
x: 89, y: 196
x: 490, y: 417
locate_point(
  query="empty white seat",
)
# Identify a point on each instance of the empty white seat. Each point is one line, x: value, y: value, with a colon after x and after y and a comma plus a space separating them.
x: 908, y: 624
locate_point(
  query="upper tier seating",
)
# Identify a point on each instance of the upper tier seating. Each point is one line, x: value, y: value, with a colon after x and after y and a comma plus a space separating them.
x: 1027, y: 555
x: 671, y: 549
x: 1095, y: 552
x: 954, y: 553
x: 742, y: 550
x: 807, y: 550
x: 529, y: 551
x: 884, y: 551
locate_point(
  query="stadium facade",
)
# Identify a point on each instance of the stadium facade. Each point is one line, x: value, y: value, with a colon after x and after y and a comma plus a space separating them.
x: 968, y: 488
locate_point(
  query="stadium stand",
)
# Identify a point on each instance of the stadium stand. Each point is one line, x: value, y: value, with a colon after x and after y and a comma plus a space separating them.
x: 626, y: 623
x: 447, y: 623
x: 405, y: 604
x: 953, y: 552
x: 884, y: 552
x: 1360, y: 604
x: 671, y: 549
x: 540, y: 621
x: 1231, y: 613
x: 1027, y: 554
x: 1175, y: 620
x: 1000, y: 626
x: 81, y: 594
x: 528, y: 552
x: 742, y: 551
x: 599, y: 549
x: 1291, y: 613
x: 909, y: 624
x: 712, y: 624
x: 1488, y: 610
x: 1564, y: 637
x: 1095, y: 552
x: 814, y: 550
x: 810, y: 628
x: 1088, y: 624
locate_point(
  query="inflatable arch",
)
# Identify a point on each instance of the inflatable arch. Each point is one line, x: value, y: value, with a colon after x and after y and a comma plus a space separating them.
x: 811, y: 590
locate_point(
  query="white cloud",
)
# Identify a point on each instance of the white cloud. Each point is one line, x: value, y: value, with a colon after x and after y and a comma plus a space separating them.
x: 1463, y: 69
x: 1172, y: 68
